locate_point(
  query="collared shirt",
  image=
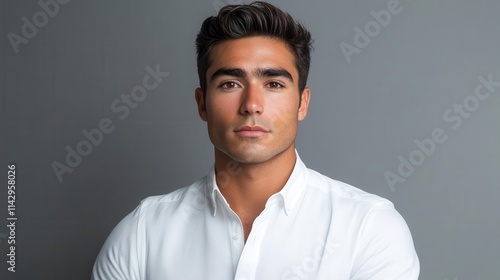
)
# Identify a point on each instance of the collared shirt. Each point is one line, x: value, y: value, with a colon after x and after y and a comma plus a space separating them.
x: 314, y: 228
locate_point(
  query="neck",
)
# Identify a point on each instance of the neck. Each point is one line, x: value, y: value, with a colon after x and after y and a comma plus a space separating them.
x: 248, y: 186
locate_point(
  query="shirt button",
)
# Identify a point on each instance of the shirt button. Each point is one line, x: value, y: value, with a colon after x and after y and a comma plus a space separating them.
x: 235, y: 237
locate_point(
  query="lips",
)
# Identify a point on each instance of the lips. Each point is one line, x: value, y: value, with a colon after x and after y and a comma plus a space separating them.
x: 251, y: 131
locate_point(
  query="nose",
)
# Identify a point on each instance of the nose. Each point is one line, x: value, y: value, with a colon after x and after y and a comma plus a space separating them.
x: 252, y: 101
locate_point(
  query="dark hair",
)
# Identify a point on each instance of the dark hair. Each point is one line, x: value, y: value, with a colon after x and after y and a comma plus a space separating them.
x: 255, y: 19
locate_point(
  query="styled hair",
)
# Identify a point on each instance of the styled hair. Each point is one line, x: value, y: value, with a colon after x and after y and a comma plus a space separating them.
x: 255, y: 19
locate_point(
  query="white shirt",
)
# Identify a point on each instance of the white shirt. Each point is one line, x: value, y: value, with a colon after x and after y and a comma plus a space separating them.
x: 314, y: 228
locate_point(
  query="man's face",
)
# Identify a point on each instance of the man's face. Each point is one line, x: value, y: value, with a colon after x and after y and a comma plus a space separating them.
x: 252, y: 99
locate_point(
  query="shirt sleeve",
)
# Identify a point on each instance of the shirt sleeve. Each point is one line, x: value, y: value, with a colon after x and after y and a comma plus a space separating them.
x: 120, y: 256
x: 385, y: 249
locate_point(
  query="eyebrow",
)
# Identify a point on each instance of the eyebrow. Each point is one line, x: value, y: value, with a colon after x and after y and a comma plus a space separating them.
x: 260, y: 72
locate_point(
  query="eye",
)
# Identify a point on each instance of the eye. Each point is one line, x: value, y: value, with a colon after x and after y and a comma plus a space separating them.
x: 275, y: 85
x: 229, y: 85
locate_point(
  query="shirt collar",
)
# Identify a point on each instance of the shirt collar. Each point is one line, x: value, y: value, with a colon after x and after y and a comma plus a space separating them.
x: 290, y: 193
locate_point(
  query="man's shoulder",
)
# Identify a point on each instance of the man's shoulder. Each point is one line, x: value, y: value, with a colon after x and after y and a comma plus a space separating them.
x: 344, y: 192
x: 192, y: 192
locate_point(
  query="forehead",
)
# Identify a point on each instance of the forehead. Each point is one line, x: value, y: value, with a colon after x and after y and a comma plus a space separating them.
x: 252, y: 53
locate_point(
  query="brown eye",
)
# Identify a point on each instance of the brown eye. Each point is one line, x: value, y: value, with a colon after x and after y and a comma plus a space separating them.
x: 228, y: 85
x: 275, y: 85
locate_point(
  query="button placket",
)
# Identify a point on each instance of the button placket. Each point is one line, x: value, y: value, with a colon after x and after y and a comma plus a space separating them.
x: 247, y: 266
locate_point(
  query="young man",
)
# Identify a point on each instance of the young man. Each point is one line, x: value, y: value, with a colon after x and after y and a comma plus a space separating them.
x: 260, y: 213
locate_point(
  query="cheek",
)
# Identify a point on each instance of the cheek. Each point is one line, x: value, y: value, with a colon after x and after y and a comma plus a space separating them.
x: 285, y: 112
x: 218, y: 104
x: 218, y: 116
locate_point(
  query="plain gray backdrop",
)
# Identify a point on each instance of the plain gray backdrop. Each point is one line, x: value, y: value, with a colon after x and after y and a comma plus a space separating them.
x: 403, y: 79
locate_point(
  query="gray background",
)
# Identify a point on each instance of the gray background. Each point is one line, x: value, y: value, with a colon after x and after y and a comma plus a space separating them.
x: 363, y: 116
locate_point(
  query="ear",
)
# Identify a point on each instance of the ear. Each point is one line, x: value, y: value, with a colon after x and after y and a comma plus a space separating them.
x: 304, y: 103
x: 202, y: 109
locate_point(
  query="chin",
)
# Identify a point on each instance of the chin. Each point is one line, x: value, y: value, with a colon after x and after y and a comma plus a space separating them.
x: 253, y: 155
x: 249, y: 158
